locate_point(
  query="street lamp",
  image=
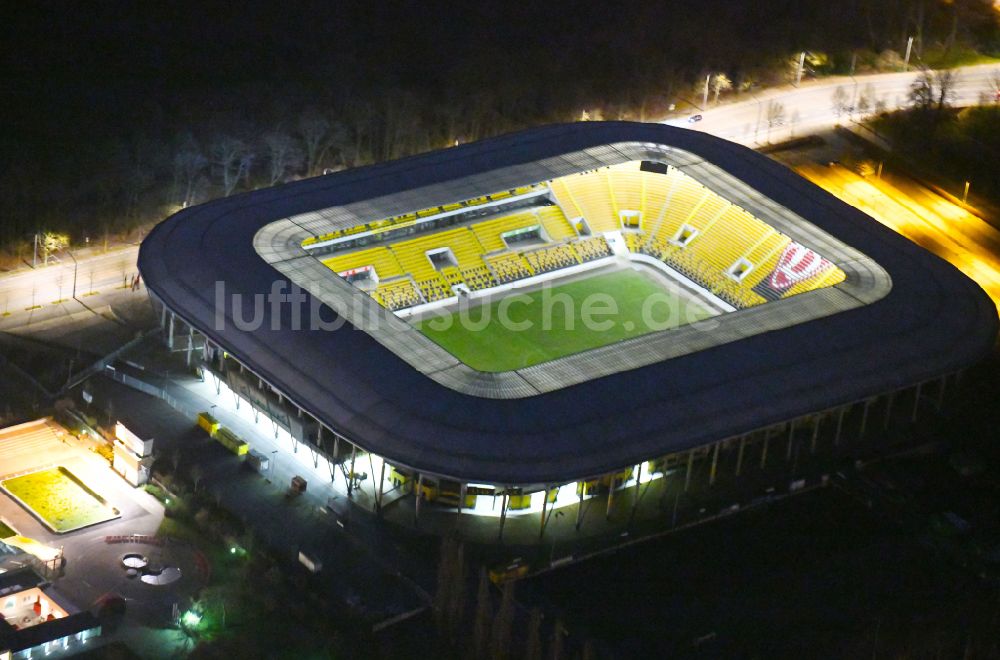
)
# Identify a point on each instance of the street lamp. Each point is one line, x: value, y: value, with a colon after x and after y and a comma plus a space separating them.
x: 76, y: 267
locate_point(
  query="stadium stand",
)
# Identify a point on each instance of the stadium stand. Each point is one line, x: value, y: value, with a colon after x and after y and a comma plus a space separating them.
x: 552, y: 258
x: 478, y: 277
x: 509, y: 267
x: 670, y: 217
x: 490, y: 233
x: 588, y: 249
x: 380, y: 258
x: 398, y: 294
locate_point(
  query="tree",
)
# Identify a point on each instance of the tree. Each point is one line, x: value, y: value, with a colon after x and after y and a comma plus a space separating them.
x: 283, y: 155
x: 189, y: 164
x: 840, y: 101
x: 556, y: 642
x: 51, y: 242
x: 197, y: 473
x: 933, y: 91
x: 775, y: 116
x: 314, y: 129
x: 504, y: 622
x: 533, y: 645
x: 866, y: 101
x: 947, y: 80
x: 720, y: 83
x: 484, y: 616
x: 232, y: 157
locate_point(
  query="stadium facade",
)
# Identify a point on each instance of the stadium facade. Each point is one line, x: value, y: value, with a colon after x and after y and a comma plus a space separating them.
x: 818, y: 310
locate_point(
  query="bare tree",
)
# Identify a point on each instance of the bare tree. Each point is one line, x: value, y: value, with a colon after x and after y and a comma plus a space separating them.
x: 533, y: 644
x: 503, y: 622
x: 197, y: 473
x: 933, y: 90
x: 483, y: 617
x: 720, y: 83
x: 840, y: 101
x: 233, y: 158
x: 867, y: 100
x: 775, y: 116
x: 314, y: 129
x: 922, y: 91
x: 947, y: 80
x: 283, y: 155
x: 189, y: 165
x: 51, y: 242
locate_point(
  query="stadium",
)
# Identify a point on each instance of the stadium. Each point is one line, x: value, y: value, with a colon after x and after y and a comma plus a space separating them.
x: 555, y: 314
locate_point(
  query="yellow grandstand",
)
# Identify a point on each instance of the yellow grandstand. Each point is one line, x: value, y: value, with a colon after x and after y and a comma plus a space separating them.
x: 474, y: 245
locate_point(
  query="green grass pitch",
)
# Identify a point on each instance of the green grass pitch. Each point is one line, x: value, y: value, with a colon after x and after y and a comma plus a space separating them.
x: 59, y: 499
x: 539, y: 328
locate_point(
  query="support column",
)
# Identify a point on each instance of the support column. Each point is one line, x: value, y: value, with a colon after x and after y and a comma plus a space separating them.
x: 888, y: 411
x: 190, y: 344
x: 763, y: 450
x: 579, y: 509
x: 545, y: 502
x: 815, y: 435
x: 381, y: 485
x: 791, y: 440
x: 739, y: 455
x: 350, y: 473
x: 840, y: 424
x: 611, y: 496
x: 864, y: 418
x: 715, y: 462
x: 503, y: 514
x: 687, y: 474
x: 170, y: 332
x: 916, y: 402
x: 940, y: 394
x: 419, y: 495
x: 638, y: 485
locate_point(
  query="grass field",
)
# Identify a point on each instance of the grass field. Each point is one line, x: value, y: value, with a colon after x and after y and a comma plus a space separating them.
x: 59, y: 499
x: 541, y: 326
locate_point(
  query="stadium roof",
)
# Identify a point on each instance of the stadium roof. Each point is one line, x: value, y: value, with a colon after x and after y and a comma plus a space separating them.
x: 903, y: 316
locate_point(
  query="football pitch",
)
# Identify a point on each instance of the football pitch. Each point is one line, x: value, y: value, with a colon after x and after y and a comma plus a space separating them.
x: 524, y: 329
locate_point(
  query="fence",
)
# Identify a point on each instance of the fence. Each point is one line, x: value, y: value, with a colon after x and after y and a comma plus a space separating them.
x: 149, y: 388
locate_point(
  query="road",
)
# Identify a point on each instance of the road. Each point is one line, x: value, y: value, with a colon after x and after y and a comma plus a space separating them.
x: 810, y: 108
x: 927, y: 219
x: 95, y: 274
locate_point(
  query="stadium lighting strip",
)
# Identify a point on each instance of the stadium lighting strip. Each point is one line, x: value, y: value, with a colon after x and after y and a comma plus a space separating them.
x: 486, y: 506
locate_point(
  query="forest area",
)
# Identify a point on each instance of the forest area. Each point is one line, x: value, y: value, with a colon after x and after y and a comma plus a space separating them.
x: 119, y: 115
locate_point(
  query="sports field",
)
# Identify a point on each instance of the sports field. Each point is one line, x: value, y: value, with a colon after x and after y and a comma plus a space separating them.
x: 524, y: 329
x: 59, y: 499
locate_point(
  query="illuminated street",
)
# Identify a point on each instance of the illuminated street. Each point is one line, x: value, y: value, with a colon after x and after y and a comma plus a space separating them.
x: 810, y: 107
x: 926, y: 218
